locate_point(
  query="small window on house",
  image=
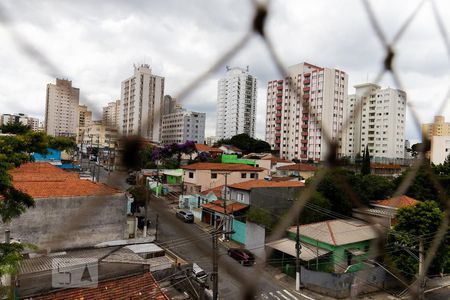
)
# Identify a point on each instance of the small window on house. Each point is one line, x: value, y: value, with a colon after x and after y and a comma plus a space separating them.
x: 191, y: 174
x: 213, y: 175
x: 243, y: 175
x: 252, y: 175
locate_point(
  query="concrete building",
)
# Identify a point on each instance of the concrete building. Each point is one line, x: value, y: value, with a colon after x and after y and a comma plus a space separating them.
x: 111, y: 114
x: 100, y: 135
x: 379, y: 123
x: 440, y: 149
x: 309, y: 103
x: 141, y: 104
x: 84, y: 121
x: 170, y: 105
x: 211, y: 140
x: 20, y: 118
x: 61, y: 110
x: 236, y: 104
x: 183, y: 125
x: 438, y: 128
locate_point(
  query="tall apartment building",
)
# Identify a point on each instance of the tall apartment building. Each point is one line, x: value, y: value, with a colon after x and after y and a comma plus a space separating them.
x: 61, y: 110
x: 110, y: 117
x: 438, y: 128
x: 141, y: 104
x: 236, y: 103
x: 307, y: 104
x: 84, y: 121
x: 97, y: 134
x: 183, y: 125
x: 379, y: 124
x: 20, y: 118
x: 170, y: 105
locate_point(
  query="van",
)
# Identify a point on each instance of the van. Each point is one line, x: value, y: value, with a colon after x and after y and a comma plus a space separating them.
x: 199, y: 273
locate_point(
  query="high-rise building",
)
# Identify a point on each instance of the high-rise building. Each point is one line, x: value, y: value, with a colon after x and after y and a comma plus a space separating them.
x: 61, y: 110
x: 84, y: 121
x: 170, y: 105
x: 20, y: 118
x: 141, y: 104
x: 379, y: 124
x: 111, y: 114
x: 97, y: 134
x: 303, y: 109
x: 183, y: 125
x: 438, y: 128
x: 236, y: 103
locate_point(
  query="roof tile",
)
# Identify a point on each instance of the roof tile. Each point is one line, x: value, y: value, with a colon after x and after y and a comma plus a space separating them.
x: 396, y: 202
x: 298, y: 167
x: 221, y: 167
x: 261, y: 183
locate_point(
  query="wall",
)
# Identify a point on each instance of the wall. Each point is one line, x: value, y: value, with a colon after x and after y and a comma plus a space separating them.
x: 72, y: 222
x: 256, y: 239
x: 233, y: 159
x: 233, y: 195
x: 276, y: 200
x: 240, y: 231
x: 52, y: 155
x: 440, y: 149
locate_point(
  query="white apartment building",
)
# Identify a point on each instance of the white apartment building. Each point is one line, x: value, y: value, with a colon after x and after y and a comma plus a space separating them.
x: 84, y: 121
x: 111, y: 114
x: 379, y: 123
x: 236, y: 103
x: 22, y: 119
x: 141, y: 104
x: 440, y: 148
x: 61, y: 110
x: 182, y: 126
x: 304, y: 107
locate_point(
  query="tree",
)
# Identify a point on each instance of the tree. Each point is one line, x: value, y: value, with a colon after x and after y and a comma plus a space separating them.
x: 246, y: 143
x: 139, y: 194
x: 311, y: 214
x: 418, y: 224
x: 365, y: 167
x: 15, y: 128
x: 373, y: 187
x: 260, y: 216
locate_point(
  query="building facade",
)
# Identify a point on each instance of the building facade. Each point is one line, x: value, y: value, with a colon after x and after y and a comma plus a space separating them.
x: 182, y: 126
x: 141, y: 104
x: 438, y: 128
x: 440, y: 149
x: 170, y: 105
x: 110, y: 114
x: 84, y: 121
x: 20, y: 118
x: 304, y: 107
x: 61, y: 110
x: 236, y: 103
x: 97, y: 134
x: 379, y: 124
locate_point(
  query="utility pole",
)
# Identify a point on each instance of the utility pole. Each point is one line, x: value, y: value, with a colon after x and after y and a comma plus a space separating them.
x: 421, y: 271
x: 98, y: 158
x: 298, y: 248
x: 215, y: 272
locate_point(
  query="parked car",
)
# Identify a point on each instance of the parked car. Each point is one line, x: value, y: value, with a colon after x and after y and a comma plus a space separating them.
x: 243, y: 256
x: 198, y: 273
x: 186, y: 216
x: 131, y: 179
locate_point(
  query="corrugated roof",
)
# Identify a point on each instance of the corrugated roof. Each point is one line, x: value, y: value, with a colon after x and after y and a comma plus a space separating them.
x: 396, y: 202
x: 298, y: 167
x: 337, y: 232
x: 221, y: 167
x: 137, y: 287
x: 218, y: 206
x: 43, y: 180
x: 261, y: 183
x: 308, y: 252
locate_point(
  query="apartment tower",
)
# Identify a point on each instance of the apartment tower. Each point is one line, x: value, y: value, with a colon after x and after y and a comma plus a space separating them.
x: 183, y: 125
x: 141, y: 104
x: 236, y: 103
x: 379, y: 124
x: 20, y: 118
x: 305, y: 108
x: 61, y: 109
x: 111, y: 114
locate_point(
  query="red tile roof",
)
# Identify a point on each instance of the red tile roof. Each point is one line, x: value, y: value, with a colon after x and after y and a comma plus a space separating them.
x: 206, y: 148
x: 298, y: 167
x: 221, y: 167
x: 385, y: 166
x: 218, y: 206
x: 43, y: 180
x: 261, y: 183
x: 138, y: 287
x: 217, y: 191
x: 397, y: 202
x: 274, y: 160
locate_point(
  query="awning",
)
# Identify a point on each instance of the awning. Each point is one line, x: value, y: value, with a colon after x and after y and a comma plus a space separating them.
x: 308, y: 252
x: 356, y: 252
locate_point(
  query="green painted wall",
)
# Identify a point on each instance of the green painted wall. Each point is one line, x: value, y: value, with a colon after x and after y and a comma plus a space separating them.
x: 173, y: 179
x: 233, y: 159
x: 240, y: 231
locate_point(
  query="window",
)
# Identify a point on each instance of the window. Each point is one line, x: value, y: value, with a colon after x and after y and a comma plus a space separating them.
x: 191, y: 174
x: 252, y: 175
x: 213, y: 175
x: 243, y: 175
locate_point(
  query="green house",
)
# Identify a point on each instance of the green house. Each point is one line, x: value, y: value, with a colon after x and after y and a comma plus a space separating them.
x: 338, y: 246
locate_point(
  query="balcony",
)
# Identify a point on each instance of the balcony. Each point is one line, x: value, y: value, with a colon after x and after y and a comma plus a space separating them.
x: 303, y: 148
x: 278, y: 134
x: 303, y: 156
x: 306, y: 81
x: 278, y: 121
x: 304, y: 126
x: 280, y: 87
x: 304, y: 141
x: 278, y: 115
x: 278, y: 107
x: 304, y: 118
x: 277, y: 141
x: 278, y: 128
x: 307, y: 74
x: 306, y: 89
x: 279, y: 100
x: 304, y: 133
x: 280, y: 81
x: 305, y: 96
x: 279, y: 94
x: 305, y: 103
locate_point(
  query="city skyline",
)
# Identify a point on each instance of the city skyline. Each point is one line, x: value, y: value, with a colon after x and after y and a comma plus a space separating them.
x: 198, y: 44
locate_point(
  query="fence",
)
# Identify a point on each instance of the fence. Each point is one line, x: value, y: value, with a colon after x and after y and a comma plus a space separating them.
x: 258, y: 28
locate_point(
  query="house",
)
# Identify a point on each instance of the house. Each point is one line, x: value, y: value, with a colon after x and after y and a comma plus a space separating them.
x: 274, y: 196
x: 212, y: 151
x: 213, y: 213
x: 383, y: 212
x: 199, y: 177
x: 233, y: 159
x: 338, y: 245
x: 387, y: 170
x: 301, y: 170
x: 194, y: 202
x: 230, y: 149
x: 69, y: 212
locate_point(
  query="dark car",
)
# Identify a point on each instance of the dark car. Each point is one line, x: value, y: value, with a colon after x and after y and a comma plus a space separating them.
x: 186, y: 216
x: 243, y: 256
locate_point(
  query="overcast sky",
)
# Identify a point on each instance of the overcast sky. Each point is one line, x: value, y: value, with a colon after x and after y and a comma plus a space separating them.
x: 96, y: 43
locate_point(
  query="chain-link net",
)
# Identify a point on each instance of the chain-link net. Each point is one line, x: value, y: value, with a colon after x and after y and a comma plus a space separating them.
x: 258, y: 26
